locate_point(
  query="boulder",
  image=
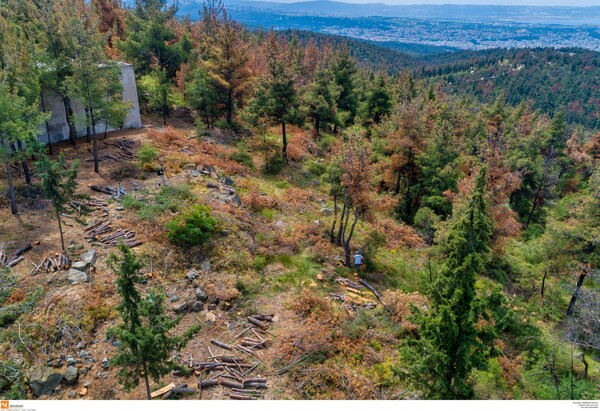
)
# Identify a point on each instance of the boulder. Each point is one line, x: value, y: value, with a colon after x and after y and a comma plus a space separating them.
x: 180, y: 307
x: 76, y: 277
x: 71, y: 375
x: 80, y: 265
x: 200, y: 294
x: 235, y: 199
x: 89, y: 257
x: 326, y: 211
x: 196, y: 306
x: 189, y: 166
x: 228, y: 181
x: 192, y: 275
x: 43, y: 380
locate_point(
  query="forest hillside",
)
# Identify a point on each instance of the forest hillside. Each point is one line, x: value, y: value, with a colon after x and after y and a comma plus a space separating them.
x: 291, y: 222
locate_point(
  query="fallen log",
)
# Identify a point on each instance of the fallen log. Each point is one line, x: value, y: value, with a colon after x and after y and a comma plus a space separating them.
x: 258, y: 323
x: 231, y: 384
x: 103, y: 190
x: 376, y: 293
x: 263, y: 317
x: 240, y: 397
x: 208, y: 383
x: 162, y: 391
x: 251, y: 380
x: 22, y: 250
x: 14, y: 261
x: 255, y: 385
x: 221, y: 344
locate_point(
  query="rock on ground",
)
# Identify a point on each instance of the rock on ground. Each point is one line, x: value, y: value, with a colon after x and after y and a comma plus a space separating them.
x: 43, y: 380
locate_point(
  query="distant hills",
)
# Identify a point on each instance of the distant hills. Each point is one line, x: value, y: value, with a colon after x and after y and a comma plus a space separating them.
x: 445, y: 12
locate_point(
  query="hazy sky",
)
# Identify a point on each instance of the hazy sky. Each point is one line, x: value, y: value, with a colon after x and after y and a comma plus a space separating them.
x: 570, y: 3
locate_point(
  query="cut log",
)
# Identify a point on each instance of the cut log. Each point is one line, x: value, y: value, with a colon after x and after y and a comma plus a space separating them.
x: 208, y: 383
x: 251, y: 380
x: 258, y: 323
x: 231, y: 384
x: 255, y: 385
x: 22, y: 250
x: 221, y: 344
x: 263, y: 317
x: 163, y: 390
x: 240, y: 397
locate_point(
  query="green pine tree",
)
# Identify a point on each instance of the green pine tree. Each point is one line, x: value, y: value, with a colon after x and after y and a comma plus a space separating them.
x: 450, y: 346
x: 145, y: 334
x: 59, y: 183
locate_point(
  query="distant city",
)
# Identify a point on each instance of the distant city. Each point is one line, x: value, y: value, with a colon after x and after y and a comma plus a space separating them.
x: 445, y: 27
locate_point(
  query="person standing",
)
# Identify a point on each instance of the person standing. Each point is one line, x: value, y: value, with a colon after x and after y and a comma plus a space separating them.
x: 358, y: 260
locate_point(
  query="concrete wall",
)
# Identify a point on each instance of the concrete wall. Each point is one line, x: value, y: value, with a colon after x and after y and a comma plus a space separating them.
x: 59, y: 128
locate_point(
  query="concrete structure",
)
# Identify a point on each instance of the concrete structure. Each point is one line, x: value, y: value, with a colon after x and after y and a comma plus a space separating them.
x: 59, y: 128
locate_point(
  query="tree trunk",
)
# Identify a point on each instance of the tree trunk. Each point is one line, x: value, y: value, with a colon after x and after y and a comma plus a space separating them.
x: 318, y: 126
x: 347, y: 242
x: 69, y: 116
x: 230, y: 106
x: 11, y: 189
x: 544, y: 282
x: 62, y: 239
x: 335, y: 210
x: 147, y: 381
x: 24, y: 164
x: 535, y: 200
x: 94, y: 137
x: 46, y: 121
x: 87, y: 125
x: 165, y: 106
x: 585, y: 366
x: 284, y: 137
x: 338, y: 239
x: 576, y: 293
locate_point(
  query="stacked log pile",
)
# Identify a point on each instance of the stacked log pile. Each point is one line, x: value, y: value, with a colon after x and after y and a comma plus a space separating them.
x: 103, y: 232
x: 58, y: 262
x: 234, y: 373
x: 9, y: 261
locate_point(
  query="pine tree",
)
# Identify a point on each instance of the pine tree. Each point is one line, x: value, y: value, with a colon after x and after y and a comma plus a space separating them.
x: 150, y: 44
x: 59, y: 183
x: 94, y: 80
x: 344, y: 70
x: 449, y: 346
x: 147, y: 345
x: 227, y: 63
x: 320, y: 98
x: 379, y: 101
x: 276, y: 97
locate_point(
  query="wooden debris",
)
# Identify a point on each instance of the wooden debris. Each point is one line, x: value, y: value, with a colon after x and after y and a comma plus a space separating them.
x: 221, y: 344
x: 376, y: 293
x: 240, y: 397
x: 14, y: 259
x: 162, y: 391
x: 60, y: 261
x: 348, y: 283
x: 258, y: 323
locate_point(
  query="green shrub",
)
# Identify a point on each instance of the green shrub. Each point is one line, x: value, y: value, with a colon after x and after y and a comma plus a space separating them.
x: 147, y: 155
x: 243, y: 158
x: 259, y: 262
x: 274, y: 164
x: 193, y: 227
x: 316, y: 168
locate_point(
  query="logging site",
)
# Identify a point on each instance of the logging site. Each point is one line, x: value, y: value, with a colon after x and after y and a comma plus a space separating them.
x: 192, y: 209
